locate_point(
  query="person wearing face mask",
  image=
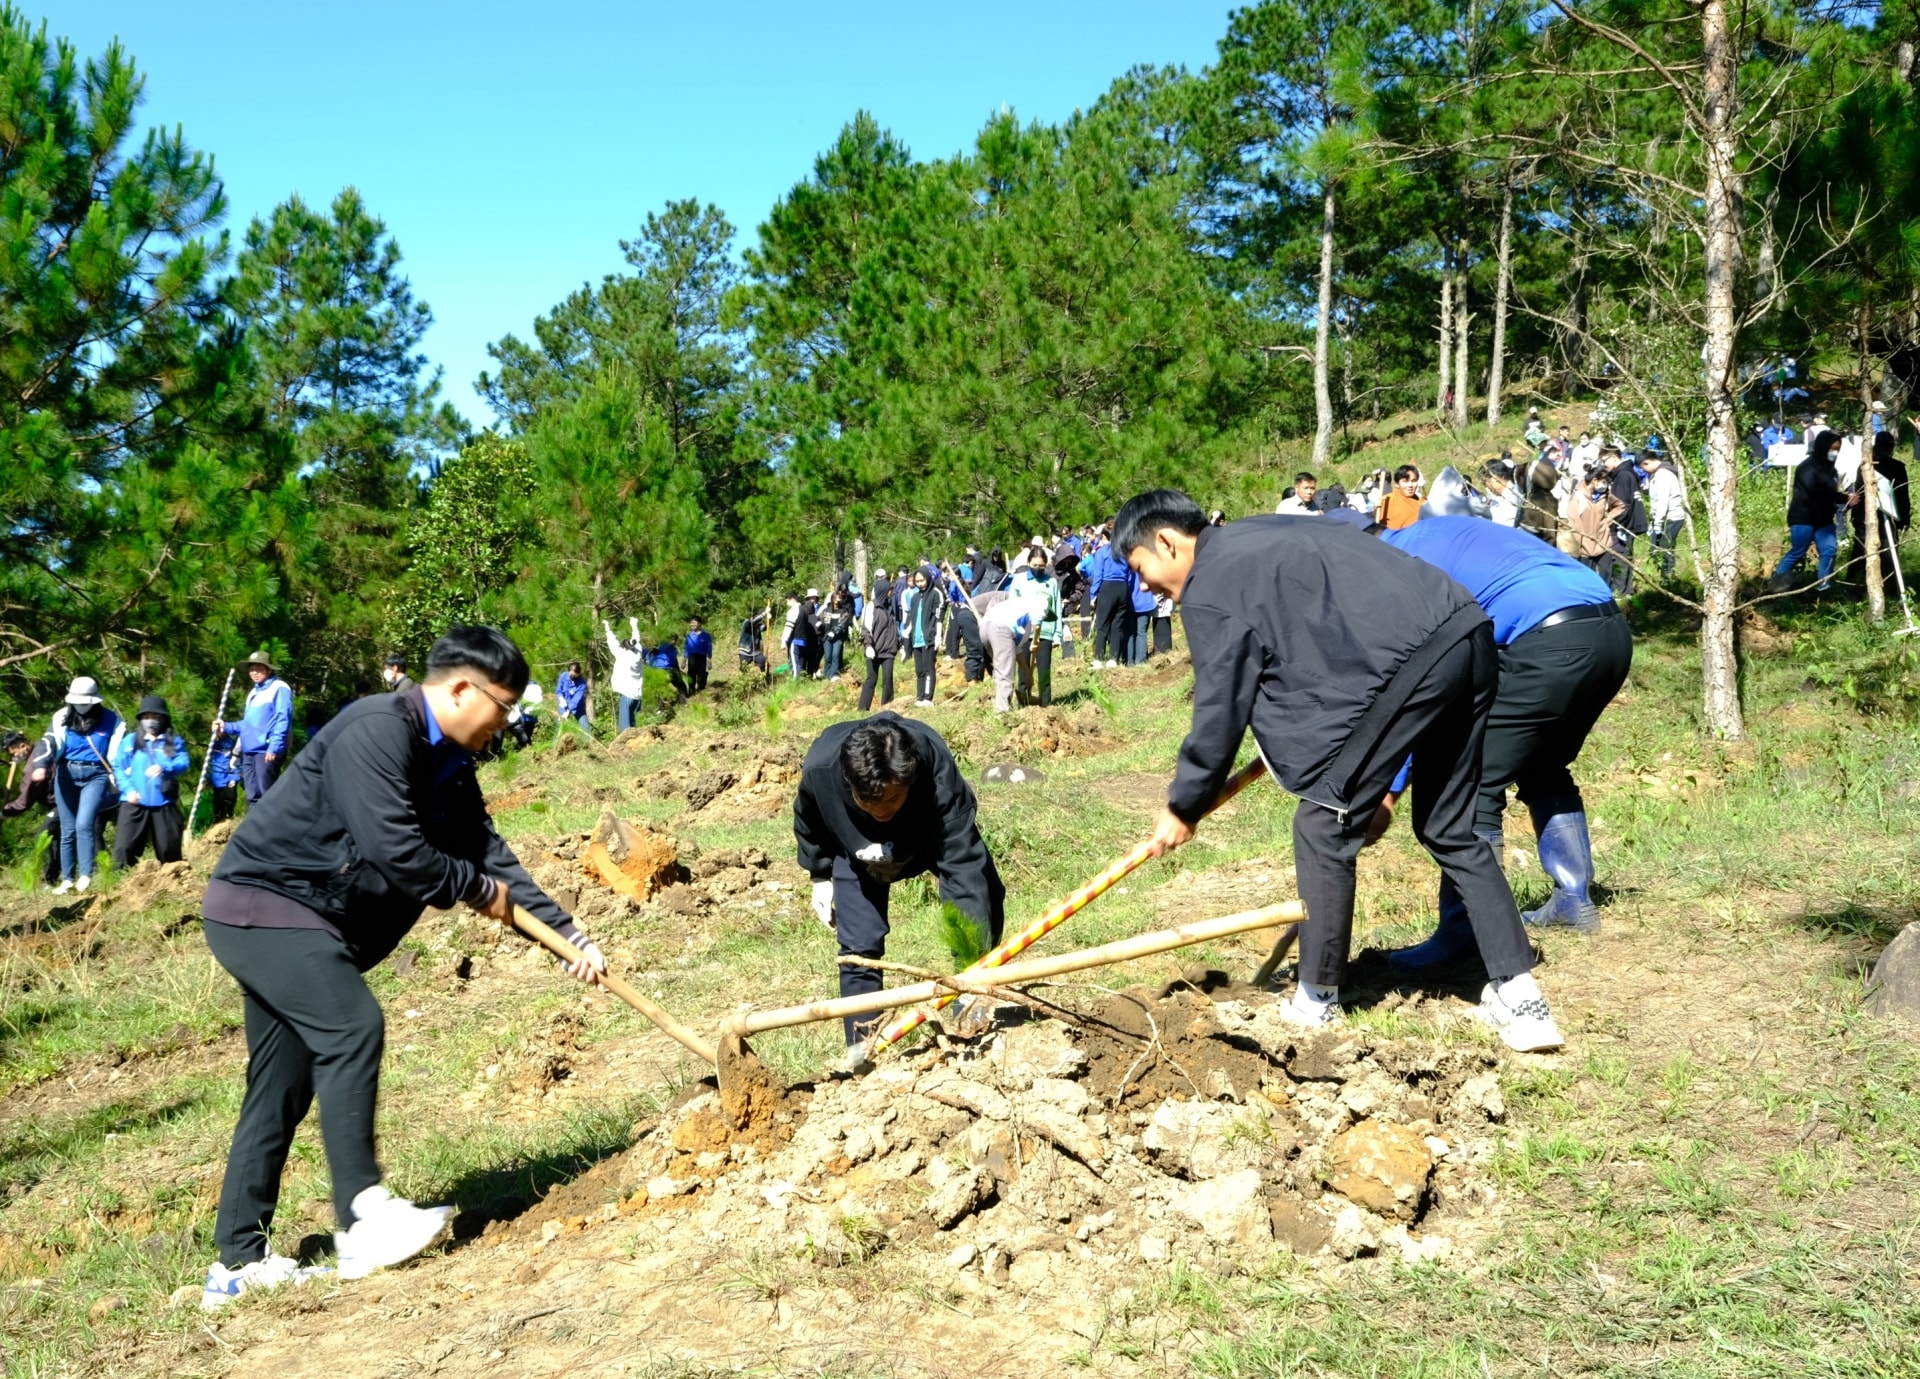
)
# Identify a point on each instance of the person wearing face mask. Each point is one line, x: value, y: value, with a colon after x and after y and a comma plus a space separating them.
x: 882, y: 799
x: 379, y: 818
x: 147, y: 764
x: 393, y: 672
x: 84, y: 734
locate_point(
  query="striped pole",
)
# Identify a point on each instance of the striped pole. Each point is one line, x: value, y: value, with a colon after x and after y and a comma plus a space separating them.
x: 1065, y: 910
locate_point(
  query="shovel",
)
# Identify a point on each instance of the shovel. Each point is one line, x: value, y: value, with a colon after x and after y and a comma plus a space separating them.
x: 672, y: 1028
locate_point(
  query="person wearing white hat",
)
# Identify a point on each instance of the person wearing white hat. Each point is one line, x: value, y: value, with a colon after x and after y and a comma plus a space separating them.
x: 85, y: 736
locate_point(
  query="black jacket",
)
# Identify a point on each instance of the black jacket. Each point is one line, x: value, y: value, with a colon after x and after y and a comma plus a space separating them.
x: 359, y: 832
x: 1816, y: 493
x: 882, y: 632
x: 934, y: 831
x: 1295, y: 624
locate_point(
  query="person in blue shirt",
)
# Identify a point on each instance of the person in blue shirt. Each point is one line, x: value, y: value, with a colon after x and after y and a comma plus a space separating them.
x: 1112, y: 584
x: 571, y: 690
x: 666, y: 656
x: 1142, y: 602
x: 1565, y: 650
x: 699, y: 654
x: 964, y: 624
x: 223, y: 772
x: 265, y: 725
x: 148, y: 762
x: 84, y: 736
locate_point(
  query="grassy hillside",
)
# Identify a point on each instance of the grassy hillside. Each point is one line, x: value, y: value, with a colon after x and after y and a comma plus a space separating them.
x: 1715, y: 1178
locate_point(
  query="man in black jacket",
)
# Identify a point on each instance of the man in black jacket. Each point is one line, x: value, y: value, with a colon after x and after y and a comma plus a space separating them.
x: 1345, y: 657
x: 380, y: 817
x: 882, y: 799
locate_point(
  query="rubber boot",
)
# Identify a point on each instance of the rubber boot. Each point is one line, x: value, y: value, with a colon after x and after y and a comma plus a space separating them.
x: 1453, y: 938
x: 1566, y: 856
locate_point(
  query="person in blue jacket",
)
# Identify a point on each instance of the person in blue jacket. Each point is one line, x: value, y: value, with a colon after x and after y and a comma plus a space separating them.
x: 265, y: 725
x: 699, y: 654
x: 148, y: 761
x: 571, y: 690
x: 223, y: 771
x: 666, y: 656
x: 83, y: 736
x: 1112, y: 585
x: 1142, y: 602
x: 1565, y: 650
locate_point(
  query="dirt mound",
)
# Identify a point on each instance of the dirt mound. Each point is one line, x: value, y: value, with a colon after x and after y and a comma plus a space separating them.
x: 760, y: 789
x: 1183, y: 1124
x: 208, y: 843
x: 149, y: 880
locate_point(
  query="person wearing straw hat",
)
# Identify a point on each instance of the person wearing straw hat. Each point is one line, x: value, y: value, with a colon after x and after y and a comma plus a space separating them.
x: 148, y: 764
x: 265, y: 725
x: 379, y: 818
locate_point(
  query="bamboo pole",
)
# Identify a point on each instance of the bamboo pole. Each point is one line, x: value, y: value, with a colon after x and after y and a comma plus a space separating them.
x: 1069, y: 907
x: 219, y: 714
x: 672, y: 1028
x: 1033, y: 969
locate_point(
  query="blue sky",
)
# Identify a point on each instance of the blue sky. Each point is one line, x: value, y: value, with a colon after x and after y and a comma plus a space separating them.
x: 509, y: 148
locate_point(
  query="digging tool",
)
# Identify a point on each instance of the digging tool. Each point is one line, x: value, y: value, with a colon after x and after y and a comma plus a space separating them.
x: 13, y: 769
x: 1033, y: 969
x: 219, y: 715
x: 1067, y: 908
x: 1281, y: 947
x: 1899, y: 579
x: 679, y: 1033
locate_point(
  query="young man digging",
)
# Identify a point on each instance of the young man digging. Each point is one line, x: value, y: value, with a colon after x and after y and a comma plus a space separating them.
x: 882, y: 799
x: 1345, y: 657
x: 379, y: 817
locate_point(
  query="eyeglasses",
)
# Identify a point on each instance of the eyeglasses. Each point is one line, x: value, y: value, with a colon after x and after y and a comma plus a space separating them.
x: 499, y: 703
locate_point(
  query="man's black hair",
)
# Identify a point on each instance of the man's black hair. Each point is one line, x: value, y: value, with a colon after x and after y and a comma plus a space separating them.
x: 396, y: 660
x: 1405, y: 472
x: 13, y: 739
x: 878, y: 754
x: 487, y: 650
x: 1146, y: 513
x: 1305, y: 477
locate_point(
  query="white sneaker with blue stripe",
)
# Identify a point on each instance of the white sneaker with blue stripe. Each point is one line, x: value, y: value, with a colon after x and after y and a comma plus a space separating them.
x: 224, y: 1285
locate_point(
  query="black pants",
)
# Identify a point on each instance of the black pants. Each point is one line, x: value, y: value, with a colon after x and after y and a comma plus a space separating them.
x: 696, y: 671
x: 137, y: 824
x: 257, y: 774
x: 1616, y: 566
x: 924, y: 671
x: 224, y: 798
x: 1162, y: 635
x: 953, y: 633
x: 1554, y: 683
x: 312, y: 1028
x: 1443, y: 727
x: 1042, y: 688
x: 673, y: 678
x: 969, y: 624
x: 860, y: 923
x: 1112, y: 622
x: 878, y: 668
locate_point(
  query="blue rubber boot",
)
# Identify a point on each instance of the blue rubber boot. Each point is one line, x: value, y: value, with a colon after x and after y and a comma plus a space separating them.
x: 1566, y: 856
x: 1453, y: 938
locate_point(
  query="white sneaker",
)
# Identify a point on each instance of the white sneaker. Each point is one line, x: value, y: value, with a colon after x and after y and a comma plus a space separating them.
x: 387, y: 1230
x: 1302, y: 1013
x: 223, y: 1285
x: 1525, y: 1028
x: 63, y: 888
x: 80, y: 886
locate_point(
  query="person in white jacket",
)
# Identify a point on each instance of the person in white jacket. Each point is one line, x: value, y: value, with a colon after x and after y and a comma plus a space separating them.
x: 1666, y: 509
x: 627, y: 659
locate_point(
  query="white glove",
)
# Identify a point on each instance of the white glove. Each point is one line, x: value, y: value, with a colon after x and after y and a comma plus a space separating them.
x: 823, y: 902
x: 593, y: 962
